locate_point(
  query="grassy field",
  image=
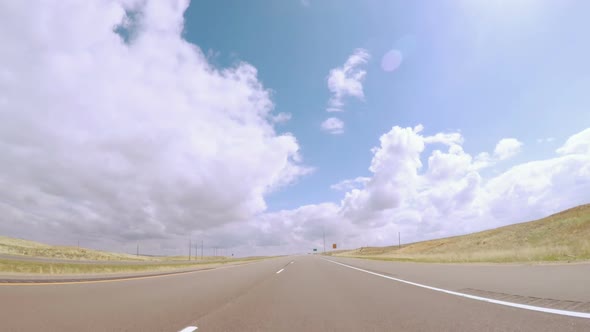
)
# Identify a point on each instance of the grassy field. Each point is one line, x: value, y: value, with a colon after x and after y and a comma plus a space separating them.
x: 28, y: 267
x: 564, y: 236
x: 14, y: 246
x: 109, y: 262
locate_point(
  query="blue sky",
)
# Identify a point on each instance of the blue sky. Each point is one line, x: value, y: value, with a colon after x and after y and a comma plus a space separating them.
x: 491, y: 70
x: 155, y: 121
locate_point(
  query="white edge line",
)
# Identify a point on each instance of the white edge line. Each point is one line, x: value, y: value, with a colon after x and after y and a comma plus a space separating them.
x: 473, y: 297
x: 189, y: 329
x: 279, y: 271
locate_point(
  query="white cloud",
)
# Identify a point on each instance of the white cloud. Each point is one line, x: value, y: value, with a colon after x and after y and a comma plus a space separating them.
x: 483, y: 160
x: 507, y: 148
x: 350, y: 184
x: 577, y: 144
x: 128, y: 139
x: 453, y: 164
x: 281, y: 117
x: 394, y: 167
x: 347, y: 81
x: 444, y: 138
x: 450, y: 196
x: 446, y: 196
x: 333, y: 126
x: 117, y: 141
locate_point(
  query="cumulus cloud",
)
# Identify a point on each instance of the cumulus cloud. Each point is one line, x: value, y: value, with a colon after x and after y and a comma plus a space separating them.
x: 507, y: 148
x: 577, y: 144
x: 346, y: 81
x: 333, y: 126
x: 449, y: 196
x: 444, y: 138
x: 350, y: 184
x: 443, y: 197
x: 112, y: 124
x: 115, y: 129
x: 281, y: 117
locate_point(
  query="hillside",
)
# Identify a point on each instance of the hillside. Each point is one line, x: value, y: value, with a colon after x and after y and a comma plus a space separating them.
x: 564, y: 236
x: 13, y: 246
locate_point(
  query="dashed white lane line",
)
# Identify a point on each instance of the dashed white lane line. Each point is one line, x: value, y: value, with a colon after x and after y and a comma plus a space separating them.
x: 189, y: 329
x: 473, y: 297
x: 292, y: 262
x: 279, y: 271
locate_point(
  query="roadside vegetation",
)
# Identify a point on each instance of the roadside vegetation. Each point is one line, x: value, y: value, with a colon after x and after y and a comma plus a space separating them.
x: 10, y: 266
x: 13, y: 246
x: 564, y: 236
x: 88, y: 261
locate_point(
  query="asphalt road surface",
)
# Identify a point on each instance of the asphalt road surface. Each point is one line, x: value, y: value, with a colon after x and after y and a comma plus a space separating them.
x: 310, y: 293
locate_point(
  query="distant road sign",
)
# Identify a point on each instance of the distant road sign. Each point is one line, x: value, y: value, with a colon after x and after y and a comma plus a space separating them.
x: 314, y: 249
x: 334, y: 246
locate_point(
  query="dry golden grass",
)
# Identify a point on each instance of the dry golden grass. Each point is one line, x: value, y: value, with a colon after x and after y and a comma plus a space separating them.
x: 113, y: 262
x: 29, y: 267
x: 15, y: 246
x: 564, y: 236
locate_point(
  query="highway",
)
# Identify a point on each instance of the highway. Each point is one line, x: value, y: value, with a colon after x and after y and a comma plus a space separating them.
x: 312, y: 293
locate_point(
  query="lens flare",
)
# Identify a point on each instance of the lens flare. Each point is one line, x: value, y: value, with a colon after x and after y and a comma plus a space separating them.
x: 391, y: 60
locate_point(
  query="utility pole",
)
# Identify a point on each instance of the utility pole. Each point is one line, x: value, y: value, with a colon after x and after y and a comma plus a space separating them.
x: 137, y: 249
x: 201, y: 249
x: 399, y: 239
x: 190, y: 246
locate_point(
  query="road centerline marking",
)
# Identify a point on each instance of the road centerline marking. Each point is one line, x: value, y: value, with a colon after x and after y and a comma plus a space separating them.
x: 473, y: 297
x: 279, y: 271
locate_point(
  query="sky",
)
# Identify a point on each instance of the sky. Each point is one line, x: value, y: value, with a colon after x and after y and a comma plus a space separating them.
x: 259, y: 126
